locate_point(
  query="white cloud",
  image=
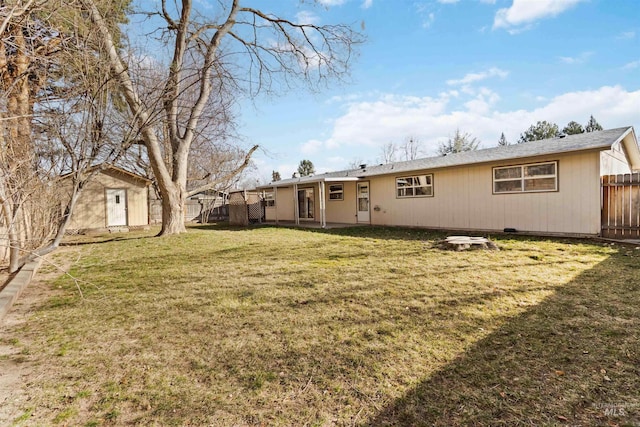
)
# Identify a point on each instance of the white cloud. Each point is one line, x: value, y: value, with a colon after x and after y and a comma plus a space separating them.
x: 369, y: 125
x: 448, y: 1
x: 627, y: 35
x: 311, y: 147
x: 306, y: 17
x: 476, y: 77
x: 631, y: 65
x: 204, y: 3
x: 422, y: 10
x: 328, y: 3
x: 286, y: 170
x: 523, y: 13
x: 428, y: 20
x: 580, y: 59
x: 343, y: 98
x: 337, y: 160
x: 366, y: 4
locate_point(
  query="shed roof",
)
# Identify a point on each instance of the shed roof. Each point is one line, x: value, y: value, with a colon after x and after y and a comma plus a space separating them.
x: 104, y: 167
x: 601, y: 140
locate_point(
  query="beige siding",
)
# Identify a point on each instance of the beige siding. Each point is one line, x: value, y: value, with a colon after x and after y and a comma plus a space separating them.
x: 91, y: 208
x: 614, y: 161
x: 463, y: 199
x: 283, y: 211
x: 342, y: 211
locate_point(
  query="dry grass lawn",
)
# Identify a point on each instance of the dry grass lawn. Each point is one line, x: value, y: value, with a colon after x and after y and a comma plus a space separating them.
x: 358, y: 326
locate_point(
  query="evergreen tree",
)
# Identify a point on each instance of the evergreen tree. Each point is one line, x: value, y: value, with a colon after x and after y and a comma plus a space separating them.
x: 275, y: 176
x: 573, y: 128
x: 306, y: 168
x: 592, y: 125
x: 459, y: 143
x: 541, y: 130
x: 503, y: 140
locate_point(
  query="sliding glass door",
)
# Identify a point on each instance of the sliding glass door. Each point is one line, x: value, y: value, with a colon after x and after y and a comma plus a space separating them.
x: 306, y: 205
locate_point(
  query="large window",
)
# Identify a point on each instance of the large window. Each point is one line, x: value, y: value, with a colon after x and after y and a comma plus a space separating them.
x: 414, y: 186
x: 530, y: 178
x: 336, y: 192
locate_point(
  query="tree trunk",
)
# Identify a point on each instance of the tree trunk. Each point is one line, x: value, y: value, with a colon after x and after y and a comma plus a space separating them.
x: 12, y: 237
x: 172, y: 210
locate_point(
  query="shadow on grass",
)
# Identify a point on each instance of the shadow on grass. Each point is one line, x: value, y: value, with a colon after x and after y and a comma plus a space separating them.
x: 571, y: 360
x: 90, y: 240
x: 393, y: 233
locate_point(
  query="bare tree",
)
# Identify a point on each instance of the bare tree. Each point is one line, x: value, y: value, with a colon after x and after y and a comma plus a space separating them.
x: 411, y: 148
x: 270, y: 49
x: 389, y: 152
x: 356, y: 163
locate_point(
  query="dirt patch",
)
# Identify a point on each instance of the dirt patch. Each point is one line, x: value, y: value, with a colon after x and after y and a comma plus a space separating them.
x: 16, y: 368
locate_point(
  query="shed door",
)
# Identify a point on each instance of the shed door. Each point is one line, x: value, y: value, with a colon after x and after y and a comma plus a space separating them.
x: 116, y: 207
x: 363, y: 202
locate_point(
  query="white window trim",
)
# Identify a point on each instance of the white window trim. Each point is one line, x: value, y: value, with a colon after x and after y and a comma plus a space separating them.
x: 270, y: 199
x: 523, y: 178
x: 330, y: 192
x: 414, y: 186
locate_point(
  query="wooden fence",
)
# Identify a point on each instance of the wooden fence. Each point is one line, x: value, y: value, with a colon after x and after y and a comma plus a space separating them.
x: 621, y: 206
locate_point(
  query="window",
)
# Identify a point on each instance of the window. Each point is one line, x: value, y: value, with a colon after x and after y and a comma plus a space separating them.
x: 415, y: 186
x: 536, y: 177
x: 336, y: 192
x: 269, y: 200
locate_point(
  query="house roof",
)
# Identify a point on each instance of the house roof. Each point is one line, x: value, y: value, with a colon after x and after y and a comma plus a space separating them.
x: 602, y: 140
x: 108, y: 167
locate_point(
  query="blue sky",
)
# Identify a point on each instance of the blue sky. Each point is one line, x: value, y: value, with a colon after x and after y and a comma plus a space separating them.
x: 431, y: 67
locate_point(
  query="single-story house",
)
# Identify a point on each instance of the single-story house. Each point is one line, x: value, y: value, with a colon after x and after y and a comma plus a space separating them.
x: 551, y: 186
x: 113, y: 198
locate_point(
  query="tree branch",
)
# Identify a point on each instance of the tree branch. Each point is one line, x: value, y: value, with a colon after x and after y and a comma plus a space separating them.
x: 226, y: 177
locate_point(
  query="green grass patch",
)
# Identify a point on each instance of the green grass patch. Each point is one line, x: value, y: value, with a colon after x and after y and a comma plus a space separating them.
x: 356, y: 326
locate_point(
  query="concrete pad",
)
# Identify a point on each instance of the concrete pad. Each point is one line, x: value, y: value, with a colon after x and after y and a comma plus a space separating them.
x: 14, y: 288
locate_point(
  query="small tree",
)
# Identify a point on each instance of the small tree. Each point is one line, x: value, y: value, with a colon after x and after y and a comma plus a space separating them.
x: 502, y: 142
x: 573, y: 128
x: 592, y: 125
x: 459, y: 143
x: 541, y: 130
x: 306, y: 168
x: 388, y: 152
x: 411, y: 148
x: 275, y: 176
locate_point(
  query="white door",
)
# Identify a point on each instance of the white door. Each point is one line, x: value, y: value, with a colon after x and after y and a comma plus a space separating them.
x: 363, y: 202
x: 116, y: 207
